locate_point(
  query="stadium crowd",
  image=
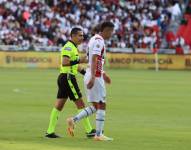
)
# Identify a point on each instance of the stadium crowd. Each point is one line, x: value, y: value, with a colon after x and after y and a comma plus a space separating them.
x: 138, y: 23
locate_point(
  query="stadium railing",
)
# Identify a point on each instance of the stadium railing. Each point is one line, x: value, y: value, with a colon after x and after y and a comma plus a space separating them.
x: 56, y: 48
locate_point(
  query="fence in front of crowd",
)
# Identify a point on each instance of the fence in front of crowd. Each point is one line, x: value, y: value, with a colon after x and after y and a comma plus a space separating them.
x: 116, y: 58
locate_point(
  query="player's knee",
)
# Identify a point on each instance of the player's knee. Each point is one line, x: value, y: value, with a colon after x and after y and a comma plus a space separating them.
x: 80, y: 104
x: 101, y: 105
x: 59, y: 104
x: 95, y: 105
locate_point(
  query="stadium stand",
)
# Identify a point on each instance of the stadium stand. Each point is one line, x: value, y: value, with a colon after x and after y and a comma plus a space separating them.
x: 181, y: 40
x: 138, y: 23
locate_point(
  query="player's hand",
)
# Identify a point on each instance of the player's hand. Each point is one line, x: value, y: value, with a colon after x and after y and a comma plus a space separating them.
x: 91, y: 83
x: 83, y: 59
x: 106, y: 78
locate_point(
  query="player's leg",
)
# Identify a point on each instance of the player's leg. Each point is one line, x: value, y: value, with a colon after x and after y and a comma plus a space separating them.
x: 54, y: 118
x: 100, y: 118
x: 90, y: 96
x: 62, y: 96
x: 100, y: 121
x: 101, y: 109
x: 76, y: 96
x: 83, y: 114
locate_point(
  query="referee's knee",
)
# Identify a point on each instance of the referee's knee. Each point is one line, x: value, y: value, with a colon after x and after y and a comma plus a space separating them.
x: 80, y: 103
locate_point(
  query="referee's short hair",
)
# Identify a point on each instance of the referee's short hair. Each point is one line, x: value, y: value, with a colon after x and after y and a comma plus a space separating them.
x: 105, y: 25
x: 74, y: 31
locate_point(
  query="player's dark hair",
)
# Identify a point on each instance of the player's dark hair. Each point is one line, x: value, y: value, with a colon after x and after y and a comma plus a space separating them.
x: 105, y: 25
x: 74, y: 31
x: 96, y: 29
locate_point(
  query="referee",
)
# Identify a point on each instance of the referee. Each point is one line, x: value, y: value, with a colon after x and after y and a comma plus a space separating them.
x: 67, y: 83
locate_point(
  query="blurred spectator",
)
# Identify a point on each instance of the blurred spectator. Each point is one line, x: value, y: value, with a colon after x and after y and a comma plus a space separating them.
x: 138, y: 23
x: 188, y: 9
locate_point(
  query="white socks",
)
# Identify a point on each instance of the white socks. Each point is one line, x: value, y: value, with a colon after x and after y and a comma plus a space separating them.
x: 84, y: 113
x: 100, y: 118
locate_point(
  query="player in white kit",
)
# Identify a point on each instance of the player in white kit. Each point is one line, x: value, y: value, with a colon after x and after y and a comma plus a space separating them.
x: 96, y: 47
x: 94, y: 81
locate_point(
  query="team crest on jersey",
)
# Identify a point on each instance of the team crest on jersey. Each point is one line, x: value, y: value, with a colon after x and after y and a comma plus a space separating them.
x: 98, y: 46
x: 68, y: 48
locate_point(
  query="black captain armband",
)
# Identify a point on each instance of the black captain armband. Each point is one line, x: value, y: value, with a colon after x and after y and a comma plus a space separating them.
x: 74, y: 62
x: 83, y: 71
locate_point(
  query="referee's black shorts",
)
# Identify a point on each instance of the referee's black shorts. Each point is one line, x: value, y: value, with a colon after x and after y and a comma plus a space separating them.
x: 68, y: 87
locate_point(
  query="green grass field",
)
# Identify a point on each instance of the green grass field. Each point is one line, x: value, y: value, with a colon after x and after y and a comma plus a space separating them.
x: 147, y: 110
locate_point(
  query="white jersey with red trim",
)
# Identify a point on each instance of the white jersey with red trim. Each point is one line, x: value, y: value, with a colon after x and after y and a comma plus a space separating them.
x: 97, y: 93
x: 96, y: 46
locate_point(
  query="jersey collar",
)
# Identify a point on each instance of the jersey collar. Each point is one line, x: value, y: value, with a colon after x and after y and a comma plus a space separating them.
x: 98, y: 35
x: 73, y: 43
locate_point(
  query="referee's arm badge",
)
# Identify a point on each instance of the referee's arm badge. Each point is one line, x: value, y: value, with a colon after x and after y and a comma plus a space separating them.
x: 68, y: 48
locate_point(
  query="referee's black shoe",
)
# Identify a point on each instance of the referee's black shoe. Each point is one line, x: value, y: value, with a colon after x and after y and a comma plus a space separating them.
x: 52, y: 135
x: 91, y: 133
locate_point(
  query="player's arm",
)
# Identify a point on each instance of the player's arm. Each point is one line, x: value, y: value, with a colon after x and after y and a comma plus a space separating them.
x: 96, y: 50
x: 83, y: 59
x: 67, y: 62
x: 66, y: 54
x: 93, y: 65
x: 106, y: 78
x: 93, y: 71
x: 81, y: 70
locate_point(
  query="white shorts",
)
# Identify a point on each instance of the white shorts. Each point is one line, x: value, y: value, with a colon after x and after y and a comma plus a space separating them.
x: 98, y: 92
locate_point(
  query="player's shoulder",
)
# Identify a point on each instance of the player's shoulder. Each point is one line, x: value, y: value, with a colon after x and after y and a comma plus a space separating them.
x: 97, y: 39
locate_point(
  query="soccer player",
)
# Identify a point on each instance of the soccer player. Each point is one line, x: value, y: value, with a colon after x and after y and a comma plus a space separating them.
x: 94, y: 80
x: 67, y: 84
